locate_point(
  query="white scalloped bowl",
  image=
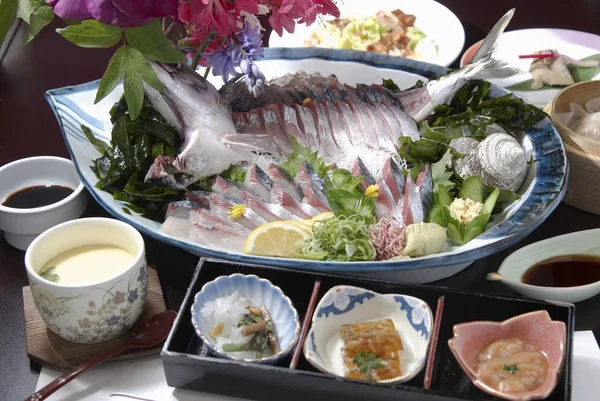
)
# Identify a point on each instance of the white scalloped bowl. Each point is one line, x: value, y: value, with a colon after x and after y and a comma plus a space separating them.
x: 346, y: 304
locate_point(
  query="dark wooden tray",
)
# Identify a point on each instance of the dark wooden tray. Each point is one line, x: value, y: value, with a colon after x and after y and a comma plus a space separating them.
x: 189, y: 365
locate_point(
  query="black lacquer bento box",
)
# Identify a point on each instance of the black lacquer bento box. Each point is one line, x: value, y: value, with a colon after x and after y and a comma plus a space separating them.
x: 189, y: 364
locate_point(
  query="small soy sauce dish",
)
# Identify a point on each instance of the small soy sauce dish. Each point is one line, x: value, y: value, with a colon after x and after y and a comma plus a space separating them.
x: 38, y: 193
x: 565, y: 268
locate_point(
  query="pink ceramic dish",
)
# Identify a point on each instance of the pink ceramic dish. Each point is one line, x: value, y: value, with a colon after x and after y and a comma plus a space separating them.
x: 535, y: 328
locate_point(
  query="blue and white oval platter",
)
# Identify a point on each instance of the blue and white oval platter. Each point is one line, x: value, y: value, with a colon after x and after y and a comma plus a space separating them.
x: 544, y: 186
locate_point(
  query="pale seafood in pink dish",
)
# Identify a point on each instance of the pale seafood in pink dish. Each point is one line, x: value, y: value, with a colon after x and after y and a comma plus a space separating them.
x: 518, y: 359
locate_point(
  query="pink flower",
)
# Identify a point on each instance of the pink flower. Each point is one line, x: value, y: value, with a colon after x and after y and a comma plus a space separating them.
x: 287, y: 13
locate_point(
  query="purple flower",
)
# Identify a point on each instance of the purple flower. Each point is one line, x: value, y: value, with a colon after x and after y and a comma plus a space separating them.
x: 250, y: 39
x: 133, y: 295
x: 111, y: 321
x: 125, y: 13
x: 255, y: 80
x: 223, y: 61
x: 142, y: 274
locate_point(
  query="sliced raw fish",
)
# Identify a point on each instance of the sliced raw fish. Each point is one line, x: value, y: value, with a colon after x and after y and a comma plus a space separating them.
x: 280, y: 196
x: 412, y: 204
x: 205, y: 217
x: 182, y: 208
x: 200, y: 197
x: 393, y: 177
x: 385, y: 205
x: 227, y: 188
x: 267, y: 211
x: 220, y: 206
x: 425, y: 185
x: 215, y: 237
x: 177, y: 226
x: 359, y: 169
x: 313, y: 188
x: 259, y: 182
x: 284, y: 180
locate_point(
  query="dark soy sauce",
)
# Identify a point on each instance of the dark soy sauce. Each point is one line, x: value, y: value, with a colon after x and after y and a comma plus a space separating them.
x: 37, y: 196
x: 564, y: 271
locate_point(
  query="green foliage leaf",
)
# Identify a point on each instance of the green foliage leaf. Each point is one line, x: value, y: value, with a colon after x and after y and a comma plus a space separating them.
x: 98, y: 144
x: 472, y: 188
x: 235, y: 173
x: 300, y: 155
x: 345, y: 197
x: 389, y: 84
x: 129, y: 63
x: 150, y: 40
x: 8, y: 16
x: 41, y: 16
x: 112, y: 75
x: 91, y: 34
x: 24, y: 10
x: 440, y: 173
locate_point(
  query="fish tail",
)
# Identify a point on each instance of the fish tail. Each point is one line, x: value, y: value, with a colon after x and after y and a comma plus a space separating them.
x: 483, y: 65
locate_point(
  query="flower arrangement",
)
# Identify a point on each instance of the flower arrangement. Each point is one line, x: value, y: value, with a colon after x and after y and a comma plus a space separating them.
x: 222, y: 35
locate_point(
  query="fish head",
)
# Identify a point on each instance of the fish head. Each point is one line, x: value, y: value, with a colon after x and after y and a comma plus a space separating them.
x: 187, y: 100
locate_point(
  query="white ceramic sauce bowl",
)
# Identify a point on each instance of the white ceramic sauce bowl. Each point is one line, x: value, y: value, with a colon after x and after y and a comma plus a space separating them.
x: 585, y: 242
x: 22, y: 226
x: 95, y: 312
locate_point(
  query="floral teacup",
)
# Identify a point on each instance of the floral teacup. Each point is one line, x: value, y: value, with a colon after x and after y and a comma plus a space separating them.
x: 91, y: 313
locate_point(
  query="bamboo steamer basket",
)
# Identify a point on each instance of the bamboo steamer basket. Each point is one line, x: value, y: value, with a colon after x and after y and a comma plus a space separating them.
x: 583, y: 191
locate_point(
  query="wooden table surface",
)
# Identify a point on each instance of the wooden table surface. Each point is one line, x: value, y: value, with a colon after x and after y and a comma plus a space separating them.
x: 28, y: 128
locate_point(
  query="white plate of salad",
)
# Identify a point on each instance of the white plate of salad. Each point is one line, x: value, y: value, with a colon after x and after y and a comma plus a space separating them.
x: 423, y: 30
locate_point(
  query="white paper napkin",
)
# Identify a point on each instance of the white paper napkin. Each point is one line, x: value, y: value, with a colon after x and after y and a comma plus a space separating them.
x: 144, y: 379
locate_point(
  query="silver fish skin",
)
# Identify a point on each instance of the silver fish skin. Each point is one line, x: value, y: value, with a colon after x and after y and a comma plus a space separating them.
x: 259, y: 182
x: 313, y: 188
x: 203, y: 119
x: 420, y: 102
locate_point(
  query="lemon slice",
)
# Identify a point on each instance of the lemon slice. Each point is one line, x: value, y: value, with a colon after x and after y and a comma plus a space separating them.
x: 280, y: 239
x: 323, y: 216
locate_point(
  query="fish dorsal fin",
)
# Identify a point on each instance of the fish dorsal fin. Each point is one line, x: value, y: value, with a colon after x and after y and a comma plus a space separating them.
x: 491, y: 40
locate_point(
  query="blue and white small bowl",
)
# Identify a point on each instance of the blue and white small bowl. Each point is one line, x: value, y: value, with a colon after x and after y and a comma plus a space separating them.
x: 259, y: 292
x: 345, y: 305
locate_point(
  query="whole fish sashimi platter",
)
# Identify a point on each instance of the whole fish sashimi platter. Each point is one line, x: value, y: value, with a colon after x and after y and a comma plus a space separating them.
x: 318, y: 169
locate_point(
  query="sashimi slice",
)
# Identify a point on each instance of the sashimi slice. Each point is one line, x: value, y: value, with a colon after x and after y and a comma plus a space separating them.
x: 177, y: 227
x: 385, y: 205
x: 205, y: 217
x: 273, y: 128
x: 214, y: 237
x: 425, y: 184
x: 412, y: 207
x: 359, y: 169
x: 227, y: 188
x: 259, y: 182
x: 220, y: 206
x: 284, y: 180
x: 182, y: 208
x: 280, y: 196
x: 267, y: 211
x: 313, y: 188
x: 394, y: 179
x: 200, y: 197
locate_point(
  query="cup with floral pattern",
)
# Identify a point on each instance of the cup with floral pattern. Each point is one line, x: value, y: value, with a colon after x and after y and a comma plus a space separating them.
x: 95, y: 312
